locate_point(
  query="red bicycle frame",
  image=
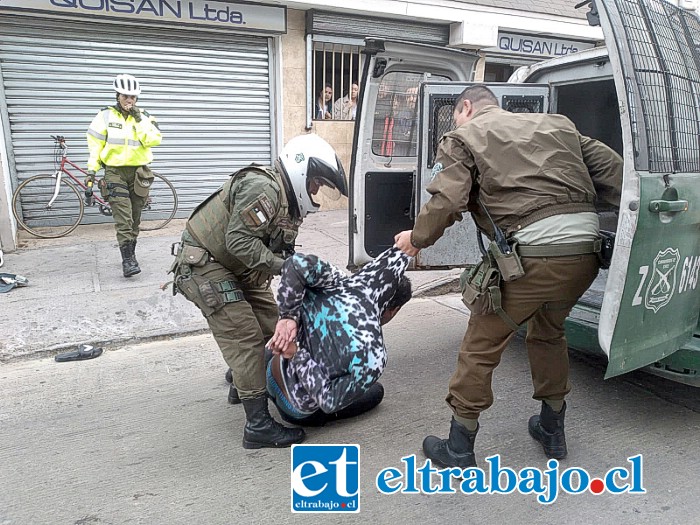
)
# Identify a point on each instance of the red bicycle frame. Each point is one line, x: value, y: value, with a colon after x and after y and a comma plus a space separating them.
x: 61, y: 142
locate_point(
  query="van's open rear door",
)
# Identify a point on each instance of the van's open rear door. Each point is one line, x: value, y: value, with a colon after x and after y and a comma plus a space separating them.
x: 385, y: 145
x: 652, y: 298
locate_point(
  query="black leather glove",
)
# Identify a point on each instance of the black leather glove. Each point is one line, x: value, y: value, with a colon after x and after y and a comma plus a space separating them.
x: 136, y: 113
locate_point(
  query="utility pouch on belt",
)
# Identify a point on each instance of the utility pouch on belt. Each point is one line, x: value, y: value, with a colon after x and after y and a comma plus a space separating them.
x: 502, y: 252
x: 193, y: 255
x: 143, y: 181
x: 190, y: 288
x: 481, y: 285
x: 210, y: 295
x: 102, y: 186
x: 508, y: 263
x: 477, y: 285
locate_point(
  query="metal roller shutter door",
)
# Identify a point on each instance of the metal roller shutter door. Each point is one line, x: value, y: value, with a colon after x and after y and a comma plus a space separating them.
x: 209, y: 91
x: 354, y: 26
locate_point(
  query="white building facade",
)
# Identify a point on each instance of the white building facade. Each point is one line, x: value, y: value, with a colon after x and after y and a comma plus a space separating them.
x: 229, y: 82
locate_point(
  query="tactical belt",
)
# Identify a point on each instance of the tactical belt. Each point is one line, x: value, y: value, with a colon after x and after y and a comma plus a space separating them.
x: 559, y: 250
x: 229, y: 290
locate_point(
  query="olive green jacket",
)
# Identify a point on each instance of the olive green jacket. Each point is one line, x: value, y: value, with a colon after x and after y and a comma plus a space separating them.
x: 523, y: 167
x: 246, y: 224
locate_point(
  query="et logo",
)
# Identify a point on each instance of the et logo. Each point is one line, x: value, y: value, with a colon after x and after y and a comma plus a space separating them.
x: 325, y: 478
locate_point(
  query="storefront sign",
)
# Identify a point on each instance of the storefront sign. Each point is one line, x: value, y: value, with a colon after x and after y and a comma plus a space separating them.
x: 213, y: 13
x: 529, y: 45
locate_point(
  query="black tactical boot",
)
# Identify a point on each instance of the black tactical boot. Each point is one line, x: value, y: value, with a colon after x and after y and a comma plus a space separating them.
x: 233, y: 398
x: 132, y: 251
x: 548, y: 429
x: 262, y: 431
x: 456, y: 451
x: 129, y: 268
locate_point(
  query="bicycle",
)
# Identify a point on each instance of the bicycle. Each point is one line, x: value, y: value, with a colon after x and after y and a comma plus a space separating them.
x: 50, y: 206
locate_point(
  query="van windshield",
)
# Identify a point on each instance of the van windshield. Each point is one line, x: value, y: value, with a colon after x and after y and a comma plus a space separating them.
x: 395, y: 132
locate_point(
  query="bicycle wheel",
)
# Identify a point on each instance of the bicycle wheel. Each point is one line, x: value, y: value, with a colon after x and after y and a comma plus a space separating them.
x: 30, y: 206
x: 161, y: 205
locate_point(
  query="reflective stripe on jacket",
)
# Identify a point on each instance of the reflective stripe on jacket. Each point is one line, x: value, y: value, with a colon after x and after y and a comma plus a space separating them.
x: 117, y: 141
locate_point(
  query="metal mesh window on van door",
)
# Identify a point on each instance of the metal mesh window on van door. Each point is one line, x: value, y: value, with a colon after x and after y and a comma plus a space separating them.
x: 336, y: 71
x: 522, y: 104
x: 441, y: 116
x: 662, y: 67
x: 395, y: 132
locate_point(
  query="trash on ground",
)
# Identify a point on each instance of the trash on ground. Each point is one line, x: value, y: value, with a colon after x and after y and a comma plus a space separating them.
x: 82, y: 353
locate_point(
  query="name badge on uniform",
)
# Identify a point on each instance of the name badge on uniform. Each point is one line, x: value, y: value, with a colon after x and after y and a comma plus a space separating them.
x: 117, y: 125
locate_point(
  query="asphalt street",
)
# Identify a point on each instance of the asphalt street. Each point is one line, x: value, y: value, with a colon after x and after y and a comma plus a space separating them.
x: 143, y: 435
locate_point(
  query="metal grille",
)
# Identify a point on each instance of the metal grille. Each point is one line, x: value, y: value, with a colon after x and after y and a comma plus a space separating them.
x: 522, y: 104
x: 662, y: 45
x: 395, y: 132
x: 352, y: 26
x: 442, y: 109
x: 337, y: 66
x: 209, y: 92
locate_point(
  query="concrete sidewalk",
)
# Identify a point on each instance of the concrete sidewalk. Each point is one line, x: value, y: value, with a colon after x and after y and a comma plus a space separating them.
x: 77, y: 294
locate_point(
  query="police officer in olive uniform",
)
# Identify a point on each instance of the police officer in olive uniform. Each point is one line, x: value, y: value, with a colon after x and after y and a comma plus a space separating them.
x: 120, y: 138
x: 234, y: 243
x: 541, y: 181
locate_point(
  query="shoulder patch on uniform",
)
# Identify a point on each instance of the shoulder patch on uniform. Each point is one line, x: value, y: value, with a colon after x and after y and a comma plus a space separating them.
x: 299, y: 158
x: 437, y: 168
x: 258, y: 213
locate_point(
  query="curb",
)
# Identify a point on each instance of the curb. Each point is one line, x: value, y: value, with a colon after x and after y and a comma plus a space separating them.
x: 441, y: 286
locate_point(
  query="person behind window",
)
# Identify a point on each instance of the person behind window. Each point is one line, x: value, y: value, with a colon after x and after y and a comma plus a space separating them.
x: 383, y: 121
x: 323, y: 104
x: 402, y: 130
x: 345, y: 108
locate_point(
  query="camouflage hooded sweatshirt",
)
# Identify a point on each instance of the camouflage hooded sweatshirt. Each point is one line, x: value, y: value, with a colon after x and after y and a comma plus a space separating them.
x: 341, y: 350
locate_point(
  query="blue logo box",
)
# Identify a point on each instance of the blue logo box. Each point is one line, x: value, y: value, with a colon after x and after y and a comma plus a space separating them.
x: 325, y: 478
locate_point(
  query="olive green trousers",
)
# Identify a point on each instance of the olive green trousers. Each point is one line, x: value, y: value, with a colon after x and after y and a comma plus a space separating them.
x: 543, y: 297
x: 126, y: 205
x: 241, y: 328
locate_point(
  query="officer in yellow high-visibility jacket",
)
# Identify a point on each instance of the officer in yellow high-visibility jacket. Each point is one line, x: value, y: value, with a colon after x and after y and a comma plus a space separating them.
x: 120, y: 139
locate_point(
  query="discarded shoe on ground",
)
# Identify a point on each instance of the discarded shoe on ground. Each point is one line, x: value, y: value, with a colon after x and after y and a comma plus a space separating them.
x: 82, y: 353
x: 9, y: 280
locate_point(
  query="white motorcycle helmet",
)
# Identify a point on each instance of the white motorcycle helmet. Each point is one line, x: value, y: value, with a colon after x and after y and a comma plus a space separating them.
x: 310, y: 162
x: 127, y: 85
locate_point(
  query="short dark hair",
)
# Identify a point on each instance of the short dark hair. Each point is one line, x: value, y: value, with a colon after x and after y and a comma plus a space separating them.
x: 402, y: 295
x: 477, y: 95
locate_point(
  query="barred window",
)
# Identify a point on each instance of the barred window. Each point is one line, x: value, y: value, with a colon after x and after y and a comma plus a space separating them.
x: 336, y: 73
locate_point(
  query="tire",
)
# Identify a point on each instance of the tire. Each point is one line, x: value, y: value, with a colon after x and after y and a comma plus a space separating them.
x: 161, y: 205
x: 29, y: 207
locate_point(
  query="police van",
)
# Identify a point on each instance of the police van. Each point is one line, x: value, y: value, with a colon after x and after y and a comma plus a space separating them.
x: 640, y: 95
